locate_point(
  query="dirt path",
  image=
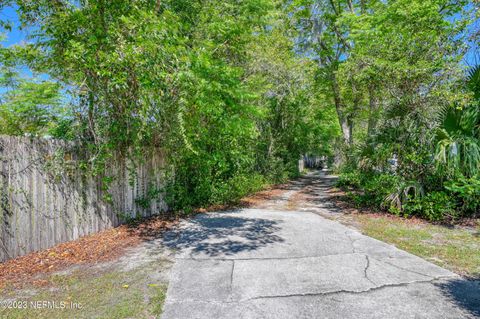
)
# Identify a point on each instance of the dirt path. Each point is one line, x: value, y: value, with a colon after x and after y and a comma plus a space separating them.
x: 313, y: 192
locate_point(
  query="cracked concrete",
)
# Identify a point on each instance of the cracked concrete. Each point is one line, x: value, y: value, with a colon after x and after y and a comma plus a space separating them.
x: 264, y: 263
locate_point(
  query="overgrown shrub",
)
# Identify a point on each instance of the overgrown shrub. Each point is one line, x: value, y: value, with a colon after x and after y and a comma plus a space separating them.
x: 379, y: 186
x: 467, y: 191
x: 407, y: 198
x: 403, y: 192
x: 434, y: 206
x: 237, y: 187
x: 350, y: 179
x: 373, y: 187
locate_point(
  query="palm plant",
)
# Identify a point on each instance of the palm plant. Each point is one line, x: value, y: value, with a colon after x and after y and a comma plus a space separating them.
x: 458, y: 133
x: 473, y: 82
x: 458, y: 146
x: 402, y: 193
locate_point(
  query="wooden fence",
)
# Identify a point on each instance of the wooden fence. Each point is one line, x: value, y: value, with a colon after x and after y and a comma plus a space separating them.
x: 46, y: 198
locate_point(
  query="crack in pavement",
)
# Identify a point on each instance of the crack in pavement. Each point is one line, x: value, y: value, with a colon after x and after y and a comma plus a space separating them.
x: 365, y: 271
x: 269, y: 258
x: 352, y: 241
x: 329, y: 293
x: 315, y: 294
x: 231, y: 276
x: 413, y: 271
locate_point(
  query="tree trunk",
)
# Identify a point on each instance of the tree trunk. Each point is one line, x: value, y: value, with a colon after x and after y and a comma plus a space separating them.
x: 346, y: 125
x: 373, y: 109
x: 346, y: 122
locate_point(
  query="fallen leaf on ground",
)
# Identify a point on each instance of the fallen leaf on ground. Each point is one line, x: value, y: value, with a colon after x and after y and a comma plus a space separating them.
x: 100, y: 247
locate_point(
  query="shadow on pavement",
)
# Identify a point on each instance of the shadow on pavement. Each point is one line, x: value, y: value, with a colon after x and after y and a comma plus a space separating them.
x: 223, y: 235
x: 316, y: 187
x: 464, y: 293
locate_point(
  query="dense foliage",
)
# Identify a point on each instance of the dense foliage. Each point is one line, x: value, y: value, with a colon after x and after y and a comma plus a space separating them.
x: 215, y: 84
x: 27, y: 106
x: 234, y: 92
x: 401, y: 84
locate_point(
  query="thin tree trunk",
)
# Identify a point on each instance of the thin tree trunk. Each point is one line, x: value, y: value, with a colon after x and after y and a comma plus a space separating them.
x: 346, y: 125
x: 356, y: 105
x: 373, y: 109
x: 350, y: 130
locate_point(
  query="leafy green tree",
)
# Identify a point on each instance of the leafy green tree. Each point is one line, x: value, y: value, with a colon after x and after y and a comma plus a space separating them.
x: 292, y: 121
x: 374, y: 56
x: 177, y: 75
x: 30, y: 108
x: 323, y: 38
x: 26, y: 106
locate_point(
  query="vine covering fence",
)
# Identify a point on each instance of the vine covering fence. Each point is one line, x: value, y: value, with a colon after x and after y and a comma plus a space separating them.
x: 46, y: 197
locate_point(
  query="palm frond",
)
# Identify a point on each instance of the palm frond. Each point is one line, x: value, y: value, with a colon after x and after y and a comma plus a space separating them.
x: 449, y: 119
x: 403, y: 193
x: 458, y: 146
x: 473, y: 81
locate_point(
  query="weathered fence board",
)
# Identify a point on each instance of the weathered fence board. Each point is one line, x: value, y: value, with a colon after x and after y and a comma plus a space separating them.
x: 46, y: 199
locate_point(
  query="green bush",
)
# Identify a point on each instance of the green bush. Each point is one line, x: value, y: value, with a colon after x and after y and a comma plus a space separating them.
x: 434, y: 206
x: 400, y: 194
x: 467, y: 190
x: 379, y: 186
x: 351, y: 179
x: 407, y: 199
x: 236, y: 188
x: 372, y: 187
x: 277, y: 171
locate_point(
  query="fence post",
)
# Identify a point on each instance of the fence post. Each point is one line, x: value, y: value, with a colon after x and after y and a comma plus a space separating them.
x: 301, y: 165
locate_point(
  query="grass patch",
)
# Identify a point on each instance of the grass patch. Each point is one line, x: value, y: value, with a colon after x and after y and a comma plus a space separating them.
x: 112, y: 294
x: 454, y: 248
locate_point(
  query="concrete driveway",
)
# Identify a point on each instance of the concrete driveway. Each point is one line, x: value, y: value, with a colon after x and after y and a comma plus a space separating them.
x: 264, y: 263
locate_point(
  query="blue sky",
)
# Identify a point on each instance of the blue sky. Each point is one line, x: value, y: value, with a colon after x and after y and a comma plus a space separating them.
x: 16, y: 35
